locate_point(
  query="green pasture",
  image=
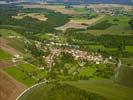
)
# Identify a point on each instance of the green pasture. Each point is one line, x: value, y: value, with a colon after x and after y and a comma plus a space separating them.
x: 125, y: 76
x: 87, y: 71
x: 17, y: 43
x: 111, y: 25
x: 59, y: 91
x: 76, y: 90
x: 26, y: 73
x: 105, y: 88
x: 7, y: 32
x: 4, y: 55
x: 20, y: 76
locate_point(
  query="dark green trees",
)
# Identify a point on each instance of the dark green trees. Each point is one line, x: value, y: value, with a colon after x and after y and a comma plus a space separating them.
x: 131, y: 23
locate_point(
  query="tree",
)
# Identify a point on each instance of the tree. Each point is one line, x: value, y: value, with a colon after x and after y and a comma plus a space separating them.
x: 131, y: 23
x: 121, y: 47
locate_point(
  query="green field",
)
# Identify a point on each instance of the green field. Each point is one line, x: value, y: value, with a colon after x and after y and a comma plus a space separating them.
x: 80, y: 90
x: 4, y: 55
x: 7, y: 32
x: 125, y: 76
x: 99, y: 47
x: 26, y: 73
x: 105, y: 88
x: 18, y: 44
x: 87, y: 72
x: 101, y: 26
x: 82, y: 10
x: 127, y: 61
x: 59, y: 92
x: 20, y: 76
x: 70, y: 75
x: 108, y: 25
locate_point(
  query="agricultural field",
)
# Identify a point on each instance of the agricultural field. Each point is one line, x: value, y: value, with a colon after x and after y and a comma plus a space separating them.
x: 32, y: 15
x: 66, y: 52
x: 4, y: 55
x: 9, y: 87
x: 98, y: 89
x: 105, y: 88
x: 56, y: 8
x: 79, y: 23
x: 59, y: 93
x: 26, y: 73
x: 111, y: 25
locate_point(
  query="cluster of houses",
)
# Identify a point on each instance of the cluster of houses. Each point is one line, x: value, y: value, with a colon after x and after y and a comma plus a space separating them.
x: 17, y: 58
x: 77, y: 54
x: 83, y: 55
x: 113, y: 11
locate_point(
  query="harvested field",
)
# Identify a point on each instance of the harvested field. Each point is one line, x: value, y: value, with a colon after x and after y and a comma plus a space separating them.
x: 56, y: 8
x: 9, y: 88
x: 79, y: 23
x: 33, y: 15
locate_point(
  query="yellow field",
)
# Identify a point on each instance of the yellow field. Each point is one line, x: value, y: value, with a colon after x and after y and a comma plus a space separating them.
x: 33, y: 15
x: 56, y: 8
x: 79, y: 23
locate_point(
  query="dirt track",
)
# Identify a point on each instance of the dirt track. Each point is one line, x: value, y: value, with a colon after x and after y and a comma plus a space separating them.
x: 9, y: 87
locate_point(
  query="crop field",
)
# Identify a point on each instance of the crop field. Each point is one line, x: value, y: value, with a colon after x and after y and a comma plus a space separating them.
x: 9, y: 87
x: 111, y: 25
x: 101, y: 26
x: 81, y: 10
x: 79, y: 23
x: 7, y: 48
x: 12, y: 39
x: 88, y: 71
x: 98, y: 89
x: 6, y: 33
x: 59, y: 92
x: 74, y: 51
x: 127, y: 61
x: 125, y: 74
x: 56, y: 8
x: 102, y: 48
x: 32, y: 15
x: 105, y: 88
x: 26, y: 73
x: 4, y: 55
x: 17, y: 43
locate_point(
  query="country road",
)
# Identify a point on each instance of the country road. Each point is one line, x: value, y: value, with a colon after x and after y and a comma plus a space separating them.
x: 118, y: 68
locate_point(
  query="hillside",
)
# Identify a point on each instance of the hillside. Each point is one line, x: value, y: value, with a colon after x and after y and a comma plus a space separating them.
x: 63, y: 52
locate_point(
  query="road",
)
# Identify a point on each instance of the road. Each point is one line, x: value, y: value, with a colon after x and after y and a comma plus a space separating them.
x: 118, y: 68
